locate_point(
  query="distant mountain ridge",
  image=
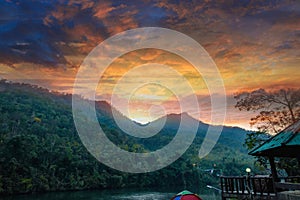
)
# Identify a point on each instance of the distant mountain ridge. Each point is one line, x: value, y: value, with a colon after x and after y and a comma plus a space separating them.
x: 105, y: 113
x: 40, y: 149
x: 172, y: 122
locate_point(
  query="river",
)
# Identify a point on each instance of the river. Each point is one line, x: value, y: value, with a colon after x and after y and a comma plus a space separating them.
x: 124, y: 194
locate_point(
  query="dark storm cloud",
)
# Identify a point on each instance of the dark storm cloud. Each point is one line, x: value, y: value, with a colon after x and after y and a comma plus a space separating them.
x: 46, y: 32
x: 24, y: 37
x: 61, y: 33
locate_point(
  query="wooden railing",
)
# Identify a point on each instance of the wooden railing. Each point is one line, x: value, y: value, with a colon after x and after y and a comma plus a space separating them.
x: 242, y: 186
x: 262, y: 186
x: 258, y: 187
x: 234, y: 184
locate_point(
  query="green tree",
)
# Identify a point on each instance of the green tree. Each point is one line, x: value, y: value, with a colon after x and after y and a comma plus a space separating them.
x: 41, y: 151
x: 276, y: 109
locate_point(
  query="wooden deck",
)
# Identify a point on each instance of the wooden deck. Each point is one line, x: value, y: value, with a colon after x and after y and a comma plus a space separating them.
x: 244, y: 187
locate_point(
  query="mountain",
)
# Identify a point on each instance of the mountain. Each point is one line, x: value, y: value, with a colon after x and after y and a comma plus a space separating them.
x: 234, y: 134
x: 231, y: 137
x: 40, y: 149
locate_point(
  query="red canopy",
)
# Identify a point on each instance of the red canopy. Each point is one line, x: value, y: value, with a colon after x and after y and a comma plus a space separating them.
x: 186, y: 195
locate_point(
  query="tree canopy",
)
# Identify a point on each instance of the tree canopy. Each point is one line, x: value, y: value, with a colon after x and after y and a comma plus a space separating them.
x: 41, y: 151
x: 277, y: 109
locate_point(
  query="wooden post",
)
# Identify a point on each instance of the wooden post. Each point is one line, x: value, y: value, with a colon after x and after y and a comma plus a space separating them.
x: 274, y: 172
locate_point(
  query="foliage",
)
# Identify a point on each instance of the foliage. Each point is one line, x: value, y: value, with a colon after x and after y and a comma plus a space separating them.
x: 277, y: 110
x: 41, y: 151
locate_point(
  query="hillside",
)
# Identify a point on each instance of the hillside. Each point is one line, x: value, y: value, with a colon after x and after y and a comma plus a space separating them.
x: 41, y: 151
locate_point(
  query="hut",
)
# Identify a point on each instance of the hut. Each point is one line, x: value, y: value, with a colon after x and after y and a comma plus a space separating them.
x: 284, y: 144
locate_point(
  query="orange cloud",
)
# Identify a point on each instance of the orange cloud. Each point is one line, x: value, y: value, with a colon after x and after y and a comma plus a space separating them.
x: 254, y: 44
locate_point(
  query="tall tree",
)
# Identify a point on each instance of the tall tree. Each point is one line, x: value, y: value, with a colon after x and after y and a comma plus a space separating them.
x: 277, y: 109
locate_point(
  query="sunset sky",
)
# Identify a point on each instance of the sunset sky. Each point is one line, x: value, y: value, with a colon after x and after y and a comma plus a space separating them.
x: 254, y: 43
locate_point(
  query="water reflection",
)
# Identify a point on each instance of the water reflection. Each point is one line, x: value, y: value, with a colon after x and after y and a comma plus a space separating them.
x: 132, y: 194
x: 146, y: 196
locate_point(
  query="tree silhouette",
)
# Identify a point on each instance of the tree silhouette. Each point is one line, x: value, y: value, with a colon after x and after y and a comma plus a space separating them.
x: 277, y: 109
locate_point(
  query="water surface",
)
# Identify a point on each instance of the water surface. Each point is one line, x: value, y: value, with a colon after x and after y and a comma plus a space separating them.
x: 124, y: 194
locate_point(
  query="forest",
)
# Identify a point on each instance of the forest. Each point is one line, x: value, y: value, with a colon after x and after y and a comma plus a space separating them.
x: 40, y: 150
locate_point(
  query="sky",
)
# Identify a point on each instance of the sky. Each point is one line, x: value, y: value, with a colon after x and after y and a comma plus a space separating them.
x: 254, y: 44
